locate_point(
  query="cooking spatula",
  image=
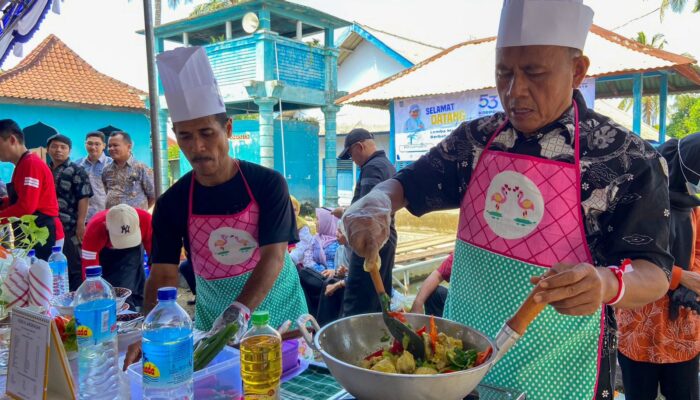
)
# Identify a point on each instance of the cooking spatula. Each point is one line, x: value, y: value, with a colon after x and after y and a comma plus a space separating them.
x: 397, y: 328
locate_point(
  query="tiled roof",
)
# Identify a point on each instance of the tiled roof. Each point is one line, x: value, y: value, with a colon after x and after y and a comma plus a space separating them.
x: 55, y: 73
x: 470, y: 65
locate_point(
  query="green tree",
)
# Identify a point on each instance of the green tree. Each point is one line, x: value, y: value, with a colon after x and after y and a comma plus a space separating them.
x: 213, y: 5
x: 685, y: 117
x: 650, y: 104
x: 677, y: 6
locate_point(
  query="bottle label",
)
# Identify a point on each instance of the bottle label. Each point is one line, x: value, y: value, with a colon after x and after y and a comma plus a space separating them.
x: 96, y: 321
x: 272, y: 394
x: 167, y: 364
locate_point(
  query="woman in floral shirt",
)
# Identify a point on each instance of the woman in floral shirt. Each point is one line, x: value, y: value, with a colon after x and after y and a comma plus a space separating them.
x: 659, y: 344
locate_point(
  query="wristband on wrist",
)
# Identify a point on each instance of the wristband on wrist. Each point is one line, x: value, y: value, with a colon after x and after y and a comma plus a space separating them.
x: 676, y: 274
x: 625, y: 267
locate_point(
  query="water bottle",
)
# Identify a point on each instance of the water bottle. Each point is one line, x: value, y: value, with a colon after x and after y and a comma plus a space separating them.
x: 31, y: 257
x: 261, y: 359
x: 167, y: 350
x: 59, y: 268
x: 146, y: 269
x: 96, y: 321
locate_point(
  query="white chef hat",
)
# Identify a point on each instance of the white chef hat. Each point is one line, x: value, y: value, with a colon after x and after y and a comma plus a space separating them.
x: 544, y: 22
x: 189, y: 84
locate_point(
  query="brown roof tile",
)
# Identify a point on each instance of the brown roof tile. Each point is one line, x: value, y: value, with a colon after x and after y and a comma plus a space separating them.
x: 54, y: 72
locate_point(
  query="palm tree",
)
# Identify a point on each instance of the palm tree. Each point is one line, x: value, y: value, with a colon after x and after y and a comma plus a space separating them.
x: 158, y: 8
x: 677, y: 6
x: 650, y: 104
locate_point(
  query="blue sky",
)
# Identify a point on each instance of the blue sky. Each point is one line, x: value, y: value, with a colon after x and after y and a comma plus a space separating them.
x: 103, y: 31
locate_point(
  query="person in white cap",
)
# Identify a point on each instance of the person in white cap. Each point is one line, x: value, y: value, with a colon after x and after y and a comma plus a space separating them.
x: 116, y: 239
x: 550, y: 193
x: 234, y: 218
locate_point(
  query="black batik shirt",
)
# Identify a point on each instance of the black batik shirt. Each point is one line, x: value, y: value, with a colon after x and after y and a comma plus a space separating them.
x: 624, y: 189
x: 72, y: 185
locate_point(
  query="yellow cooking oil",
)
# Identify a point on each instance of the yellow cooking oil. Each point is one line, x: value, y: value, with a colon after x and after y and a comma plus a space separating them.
x: 261, y: 359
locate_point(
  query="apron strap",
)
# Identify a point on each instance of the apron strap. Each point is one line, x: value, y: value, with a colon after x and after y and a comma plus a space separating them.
x: 245, y: 182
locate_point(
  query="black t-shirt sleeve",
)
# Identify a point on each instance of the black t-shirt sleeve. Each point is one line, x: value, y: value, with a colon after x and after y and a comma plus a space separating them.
x: 168, y: 229
x: 438, y: 179
x: 277, y: 222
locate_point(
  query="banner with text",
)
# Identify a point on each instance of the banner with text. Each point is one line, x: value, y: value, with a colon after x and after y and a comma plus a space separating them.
x: 421, y: 123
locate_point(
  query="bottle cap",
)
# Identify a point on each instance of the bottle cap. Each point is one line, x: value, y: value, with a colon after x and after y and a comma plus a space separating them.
x: 260, y: 317
x: 167, y: 293
x: 56, y: 249
x: 93, y: 271
x: 31, y: 253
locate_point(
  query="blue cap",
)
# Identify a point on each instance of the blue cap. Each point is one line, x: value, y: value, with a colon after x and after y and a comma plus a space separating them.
x: 56, y: 249
x: 31, y: 253
x: 167, y: 293
x: 93, y: 271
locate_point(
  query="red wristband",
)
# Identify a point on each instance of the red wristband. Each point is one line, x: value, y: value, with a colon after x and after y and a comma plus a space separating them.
x: 625, y: 267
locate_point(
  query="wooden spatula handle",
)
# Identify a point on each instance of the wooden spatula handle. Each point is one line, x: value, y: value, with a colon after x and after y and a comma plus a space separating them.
x: 527, y: 312
x: 377, y: 280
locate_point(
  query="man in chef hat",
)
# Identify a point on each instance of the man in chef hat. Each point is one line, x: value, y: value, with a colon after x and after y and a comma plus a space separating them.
x: 550, y: 194
x: 233, y: 217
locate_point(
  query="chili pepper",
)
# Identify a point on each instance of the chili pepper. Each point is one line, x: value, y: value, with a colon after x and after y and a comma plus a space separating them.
x: 377, y: 353
x: 396, y: 347
x: 433, y: 332
x: 397, y: 315
x: 421, y: 331
x: 482, y: 356
x: 61, y: 325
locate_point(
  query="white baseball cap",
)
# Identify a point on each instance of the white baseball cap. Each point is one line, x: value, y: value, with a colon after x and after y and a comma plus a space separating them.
x: 123, y: 227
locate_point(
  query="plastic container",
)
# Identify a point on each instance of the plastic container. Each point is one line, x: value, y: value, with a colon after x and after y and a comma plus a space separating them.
x: 167, y: 350
x: 261, y: 359
x: 59, y: 268
x: 221, y: 378
x: 96, y: 321
x: 290, y: 355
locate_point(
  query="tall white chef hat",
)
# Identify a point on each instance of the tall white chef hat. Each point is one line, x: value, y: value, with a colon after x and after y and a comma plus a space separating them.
x: 189, y: 84
x: 544, y: 22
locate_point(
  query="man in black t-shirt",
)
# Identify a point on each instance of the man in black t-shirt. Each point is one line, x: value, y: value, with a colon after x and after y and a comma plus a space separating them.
x: 375, y: 168
x: 234, y: 218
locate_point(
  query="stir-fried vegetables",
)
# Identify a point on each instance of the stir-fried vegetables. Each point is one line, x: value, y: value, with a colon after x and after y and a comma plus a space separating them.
x: 444, y: 354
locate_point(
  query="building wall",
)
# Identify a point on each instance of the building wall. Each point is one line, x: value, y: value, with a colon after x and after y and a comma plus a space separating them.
x: 76, y: 123
x: 301, y: 147
x: 365, y: 66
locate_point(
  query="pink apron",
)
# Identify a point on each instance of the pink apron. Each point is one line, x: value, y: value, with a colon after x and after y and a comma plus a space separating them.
x: 519, y: 216
x: 224, y: 250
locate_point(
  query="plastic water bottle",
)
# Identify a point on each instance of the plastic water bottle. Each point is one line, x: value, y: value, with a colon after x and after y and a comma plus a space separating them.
x: 96, y: 321
x: 261, y: 359
x: 167, y: 350
x: 146, y: 269
x: 59, y: 268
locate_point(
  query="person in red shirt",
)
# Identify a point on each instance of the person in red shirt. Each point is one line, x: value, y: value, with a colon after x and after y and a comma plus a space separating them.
x: 32, y: 190
x: 116, y: 239
x: 432, y: 295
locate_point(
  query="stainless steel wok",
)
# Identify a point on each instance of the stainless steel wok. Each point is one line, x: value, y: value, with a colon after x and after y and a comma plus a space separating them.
x: 344, y: 343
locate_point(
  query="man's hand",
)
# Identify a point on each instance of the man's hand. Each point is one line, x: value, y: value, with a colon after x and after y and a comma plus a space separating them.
x: 328, y: 273
x: 417, y: 308
x: 332, y: 288
x: 576, y: 289
x: 367, y: 223
x: 133, y: 354
x: 80, y: 232
x: 338, y: 212
x: 341, y: 271
x: 691, y: 280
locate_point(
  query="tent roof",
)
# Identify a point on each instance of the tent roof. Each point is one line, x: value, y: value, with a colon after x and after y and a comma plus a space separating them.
x: 470, y: 66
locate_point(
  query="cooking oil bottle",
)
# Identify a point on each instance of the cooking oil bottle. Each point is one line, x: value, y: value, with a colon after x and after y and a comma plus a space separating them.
x: 261, y: 359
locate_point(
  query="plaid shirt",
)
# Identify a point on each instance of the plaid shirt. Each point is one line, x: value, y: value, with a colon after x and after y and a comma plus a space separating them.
x: 94, y: 171
x: 131, y: 184
x: 72, y: 185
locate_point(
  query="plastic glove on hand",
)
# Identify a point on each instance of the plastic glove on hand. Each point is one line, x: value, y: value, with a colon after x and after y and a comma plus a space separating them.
x: 367, y: 223
x: 236, y: 312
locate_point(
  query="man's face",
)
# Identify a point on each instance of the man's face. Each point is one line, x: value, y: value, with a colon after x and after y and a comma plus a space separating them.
x: 415, y: 114
x: 58, y: 151
x: 6, y: 145
x: 94, y: 146
x: 119, y: 149
x: 204, y: 141
x: 535, y: 83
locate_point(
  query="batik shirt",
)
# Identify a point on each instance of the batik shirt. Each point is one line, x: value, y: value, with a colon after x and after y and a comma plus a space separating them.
x: 94, y: 170
x: 72, y: 185
x: 131, y: 184
x: 624, y: 187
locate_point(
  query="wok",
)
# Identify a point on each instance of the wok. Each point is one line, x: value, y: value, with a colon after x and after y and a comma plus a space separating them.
x: 345, y: 342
